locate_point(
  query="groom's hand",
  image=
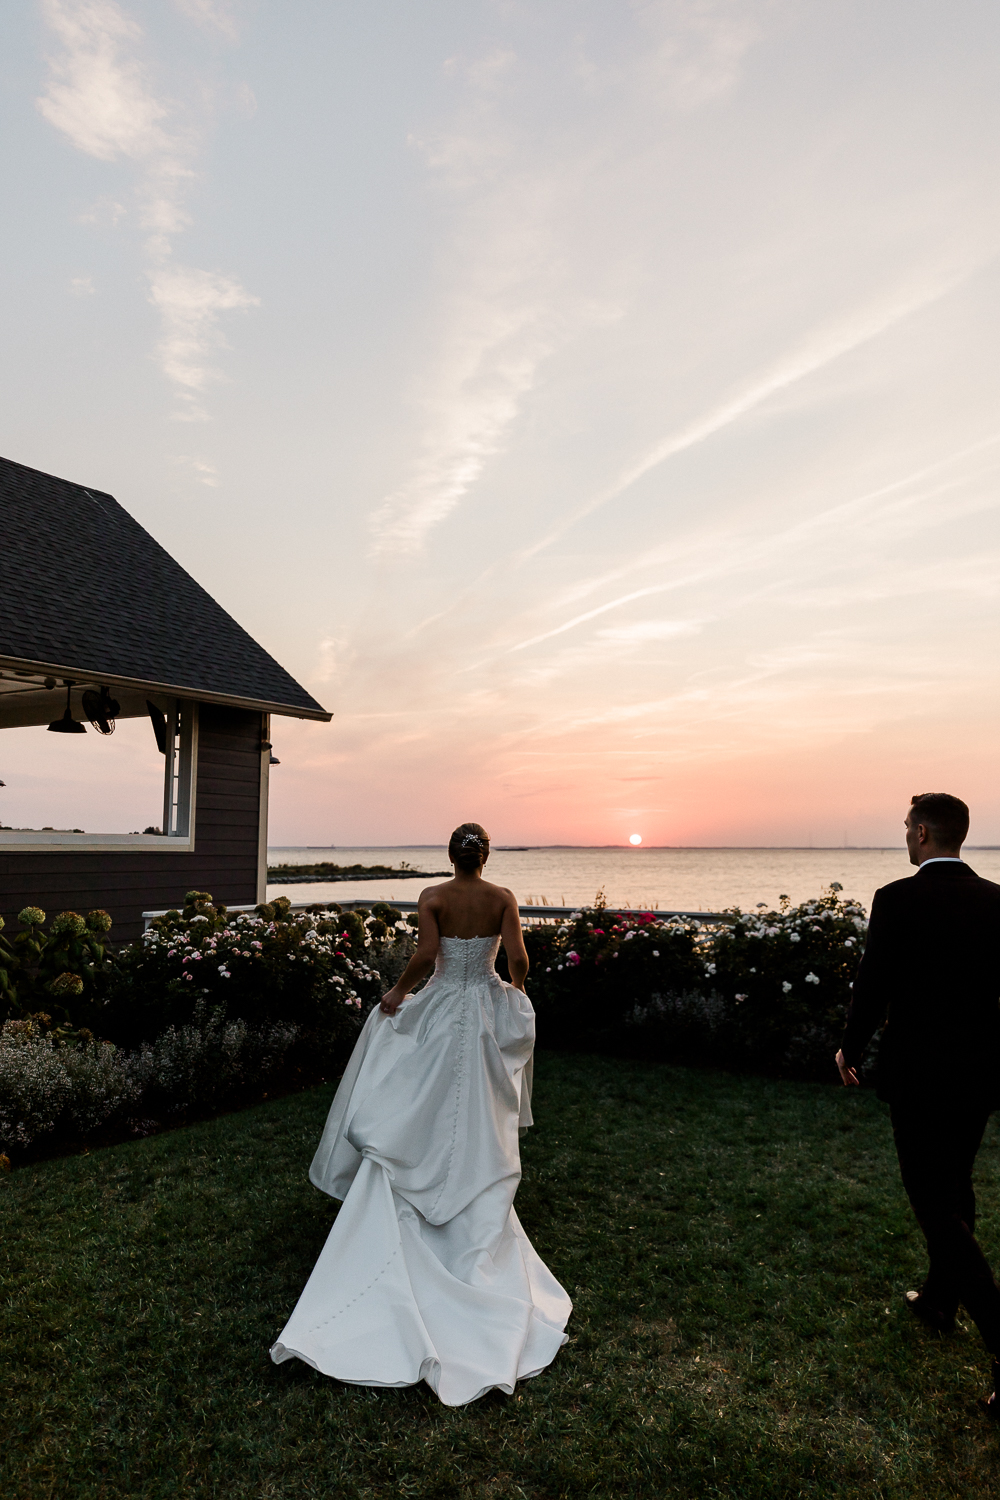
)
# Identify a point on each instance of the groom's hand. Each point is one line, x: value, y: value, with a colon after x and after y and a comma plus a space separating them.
x: 847, y: 1075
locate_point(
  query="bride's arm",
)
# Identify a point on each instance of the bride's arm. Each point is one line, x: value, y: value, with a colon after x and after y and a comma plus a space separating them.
x: 422, y: 962
x: 513, y: 942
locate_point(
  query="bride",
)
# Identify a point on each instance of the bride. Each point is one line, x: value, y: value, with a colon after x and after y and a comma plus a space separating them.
x: 427, y: 1273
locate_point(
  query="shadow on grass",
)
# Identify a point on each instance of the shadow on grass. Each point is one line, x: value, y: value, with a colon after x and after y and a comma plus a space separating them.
x: 737, y: 1250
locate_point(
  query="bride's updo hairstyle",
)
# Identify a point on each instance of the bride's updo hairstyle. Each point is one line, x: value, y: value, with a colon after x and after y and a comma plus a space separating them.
x: 468, y: 846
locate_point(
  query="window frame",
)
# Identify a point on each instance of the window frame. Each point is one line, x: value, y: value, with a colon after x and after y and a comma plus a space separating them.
x: 180, y: 783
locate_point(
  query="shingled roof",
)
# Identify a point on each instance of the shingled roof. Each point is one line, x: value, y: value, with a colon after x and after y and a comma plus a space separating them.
x: 85, y: 590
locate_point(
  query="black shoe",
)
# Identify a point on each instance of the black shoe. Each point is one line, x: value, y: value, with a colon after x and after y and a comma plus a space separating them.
x: 992, y: 1402
x: 932, y: 1317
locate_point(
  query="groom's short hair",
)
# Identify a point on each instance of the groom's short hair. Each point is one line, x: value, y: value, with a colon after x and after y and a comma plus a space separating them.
x: 945, y: 816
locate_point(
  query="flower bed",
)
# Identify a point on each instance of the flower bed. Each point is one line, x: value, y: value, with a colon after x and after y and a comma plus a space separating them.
x: 208, y: 1008
x: 211, y: 1007
x: 768, y: 989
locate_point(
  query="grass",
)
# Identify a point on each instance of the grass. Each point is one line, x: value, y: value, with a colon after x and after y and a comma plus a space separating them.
x: 736, y: 1248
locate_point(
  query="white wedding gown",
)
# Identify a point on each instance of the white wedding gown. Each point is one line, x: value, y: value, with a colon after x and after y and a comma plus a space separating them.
x: 427, y: 1273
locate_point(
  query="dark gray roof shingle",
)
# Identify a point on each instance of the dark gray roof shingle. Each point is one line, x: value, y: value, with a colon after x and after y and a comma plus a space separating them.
x: 83, y: 586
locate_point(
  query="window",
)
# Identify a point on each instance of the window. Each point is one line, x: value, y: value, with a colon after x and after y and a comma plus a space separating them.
x: 86, y: 789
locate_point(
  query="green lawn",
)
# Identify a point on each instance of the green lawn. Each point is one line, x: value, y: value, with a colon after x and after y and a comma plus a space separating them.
x: 737, y: 1250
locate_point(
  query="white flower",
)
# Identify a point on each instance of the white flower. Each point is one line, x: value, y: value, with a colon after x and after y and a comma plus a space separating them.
x: 709, y: 968
x: 753, y: 971
x: 656, y: 952
x: 812, y: 979
x: 785, y: 986
x: 848, y: 942
x: 740, y: 999
x: 794, y: 937
x: 559, y: 966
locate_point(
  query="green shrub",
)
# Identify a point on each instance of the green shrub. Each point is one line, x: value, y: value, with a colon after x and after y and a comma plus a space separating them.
x: 68, y: 966
x: 767, y: 990
x: 588, y: 974
x: 57, y: 1082
x: 310, y: 969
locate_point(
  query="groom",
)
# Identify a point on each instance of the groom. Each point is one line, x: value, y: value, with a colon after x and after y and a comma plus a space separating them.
x: 931, y: 968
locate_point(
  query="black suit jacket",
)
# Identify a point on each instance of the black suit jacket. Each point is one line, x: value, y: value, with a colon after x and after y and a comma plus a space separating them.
x: 931, y: 972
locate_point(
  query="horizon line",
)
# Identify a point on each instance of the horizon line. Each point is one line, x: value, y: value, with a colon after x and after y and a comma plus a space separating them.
x: 639, y: 848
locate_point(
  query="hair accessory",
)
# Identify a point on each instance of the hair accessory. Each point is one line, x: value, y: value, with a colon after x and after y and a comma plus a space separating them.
x: 470, y: 840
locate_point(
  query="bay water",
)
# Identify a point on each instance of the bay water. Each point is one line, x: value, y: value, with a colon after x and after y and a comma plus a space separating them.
x: 663, y: 879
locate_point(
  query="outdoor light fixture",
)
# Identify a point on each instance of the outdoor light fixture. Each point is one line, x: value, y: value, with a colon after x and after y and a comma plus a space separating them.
x: 67, y: 724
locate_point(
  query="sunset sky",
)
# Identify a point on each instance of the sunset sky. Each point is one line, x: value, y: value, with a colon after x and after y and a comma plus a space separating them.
x: 594, y: 403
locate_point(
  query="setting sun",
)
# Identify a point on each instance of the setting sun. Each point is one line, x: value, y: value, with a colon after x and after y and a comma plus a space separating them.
x: 635, y: 838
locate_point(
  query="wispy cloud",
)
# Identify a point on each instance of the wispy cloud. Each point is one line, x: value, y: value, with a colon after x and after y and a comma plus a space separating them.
x: 100, y: 97
x: 640, y: 632
x: 520, y: 286
x: 474, y: 399
x: 592, y: 614
x: 190, y: 303
x: 882, y: 517
x: 97, y: 93
x: 696, y: 47
x: 214, y: 16
x: 827, y: 344
x: 201, y: 470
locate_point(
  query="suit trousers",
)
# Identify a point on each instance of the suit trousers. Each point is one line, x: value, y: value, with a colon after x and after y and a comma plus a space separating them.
x: 936, y: 1143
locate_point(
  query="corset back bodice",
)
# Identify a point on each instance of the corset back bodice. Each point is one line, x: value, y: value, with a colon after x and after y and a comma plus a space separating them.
x: 465, y: 960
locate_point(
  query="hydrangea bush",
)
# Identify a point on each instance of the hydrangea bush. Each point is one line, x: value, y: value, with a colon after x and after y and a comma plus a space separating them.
x: 314, y: 969
x: 70, y: 962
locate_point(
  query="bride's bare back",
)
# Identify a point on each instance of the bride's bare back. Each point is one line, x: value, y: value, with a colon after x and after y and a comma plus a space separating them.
x: 467, y: 906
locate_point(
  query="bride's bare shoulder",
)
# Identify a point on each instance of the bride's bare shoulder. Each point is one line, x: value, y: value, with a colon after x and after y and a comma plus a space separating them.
x: 499, y: 890
x: 429, y: 892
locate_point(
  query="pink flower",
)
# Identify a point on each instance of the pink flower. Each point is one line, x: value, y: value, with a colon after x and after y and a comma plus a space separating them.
x: 573, y: 958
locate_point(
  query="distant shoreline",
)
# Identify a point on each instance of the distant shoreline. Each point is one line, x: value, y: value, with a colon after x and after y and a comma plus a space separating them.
x: 328, y: 874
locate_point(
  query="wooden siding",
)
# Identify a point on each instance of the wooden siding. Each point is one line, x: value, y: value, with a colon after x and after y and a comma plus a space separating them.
x: 224, y: 859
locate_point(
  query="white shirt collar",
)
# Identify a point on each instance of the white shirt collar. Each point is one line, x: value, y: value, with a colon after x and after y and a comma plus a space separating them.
x: 942, y: 859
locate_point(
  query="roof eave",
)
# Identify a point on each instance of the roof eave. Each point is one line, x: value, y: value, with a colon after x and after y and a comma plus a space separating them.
x: 176, y: 690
